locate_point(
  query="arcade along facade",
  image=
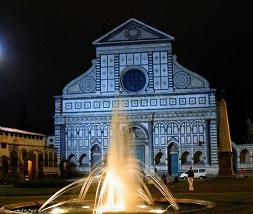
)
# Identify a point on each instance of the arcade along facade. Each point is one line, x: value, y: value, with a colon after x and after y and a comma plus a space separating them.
x: 171, y: 110
x: 25, y: 155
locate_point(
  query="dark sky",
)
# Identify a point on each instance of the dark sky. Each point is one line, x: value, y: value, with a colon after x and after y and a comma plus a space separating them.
x: 46, y: 44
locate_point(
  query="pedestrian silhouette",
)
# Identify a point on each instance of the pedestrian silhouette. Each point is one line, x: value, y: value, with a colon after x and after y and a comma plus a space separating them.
x: 190, y: 179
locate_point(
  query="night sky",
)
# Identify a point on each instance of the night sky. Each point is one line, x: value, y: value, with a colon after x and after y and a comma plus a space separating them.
x: 46, y: 44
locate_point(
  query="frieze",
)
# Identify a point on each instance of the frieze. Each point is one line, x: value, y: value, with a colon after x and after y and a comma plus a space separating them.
x: 144, y: 102
x: 78, y: 105
x: 96, y: 104
x: 153, y: 102
x: 135, y: 103
x: 106, y: 104
x: 87, y: 119
x: 191, y: 114
x: 163, y: 102
x: 133, y: 48
x: 143, y: 116
x: 182, y: 101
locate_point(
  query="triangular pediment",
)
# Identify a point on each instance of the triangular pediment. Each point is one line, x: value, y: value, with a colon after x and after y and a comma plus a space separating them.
x: 133, y: 31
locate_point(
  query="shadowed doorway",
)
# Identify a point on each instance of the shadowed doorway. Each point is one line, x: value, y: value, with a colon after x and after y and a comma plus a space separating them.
x: 172, y: 159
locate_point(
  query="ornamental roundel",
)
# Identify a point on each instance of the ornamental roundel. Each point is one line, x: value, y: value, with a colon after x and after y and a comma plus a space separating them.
x: 88, y: 84
x: 182, y: 80
x: 133, y: 32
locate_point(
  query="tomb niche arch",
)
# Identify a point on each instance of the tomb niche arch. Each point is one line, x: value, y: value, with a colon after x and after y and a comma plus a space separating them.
x: 96, y: 154
x: 198, y: 157
x: 185, y: 158
x: 244, y: 156
x: 72, y: 164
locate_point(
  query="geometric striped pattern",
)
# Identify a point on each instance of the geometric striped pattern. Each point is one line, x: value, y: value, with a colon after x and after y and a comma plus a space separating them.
x: 213, y: 141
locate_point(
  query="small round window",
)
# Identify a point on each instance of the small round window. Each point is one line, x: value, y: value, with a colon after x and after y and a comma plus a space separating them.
x: 133, y: 80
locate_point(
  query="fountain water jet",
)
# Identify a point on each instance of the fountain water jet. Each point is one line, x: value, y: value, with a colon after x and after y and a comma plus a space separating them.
x: 120, y: 186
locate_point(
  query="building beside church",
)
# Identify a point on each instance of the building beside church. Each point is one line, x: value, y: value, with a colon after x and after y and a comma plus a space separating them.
x: 170, y: 110
x: 25, y: 154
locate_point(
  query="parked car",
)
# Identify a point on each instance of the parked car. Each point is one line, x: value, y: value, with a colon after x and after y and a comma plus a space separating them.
x: 198, y: 173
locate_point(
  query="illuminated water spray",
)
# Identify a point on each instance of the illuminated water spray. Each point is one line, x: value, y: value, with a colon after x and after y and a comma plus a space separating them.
x: 120, y: 187
x: 122, y: 184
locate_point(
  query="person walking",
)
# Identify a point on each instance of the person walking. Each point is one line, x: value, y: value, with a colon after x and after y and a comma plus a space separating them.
x: 190, y: 179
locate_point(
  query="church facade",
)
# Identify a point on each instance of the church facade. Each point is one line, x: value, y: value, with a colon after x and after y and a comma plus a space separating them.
x: 170, y: 110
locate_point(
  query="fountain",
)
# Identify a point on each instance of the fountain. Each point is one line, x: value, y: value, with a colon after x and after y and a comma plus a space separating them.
x: 120, y: 185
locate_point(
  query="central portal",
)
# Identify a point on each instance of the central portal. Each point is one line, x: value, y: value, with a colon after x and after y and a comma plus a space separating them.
x: 140, y: 153
x: 138, y: 138
x: 172, y: 159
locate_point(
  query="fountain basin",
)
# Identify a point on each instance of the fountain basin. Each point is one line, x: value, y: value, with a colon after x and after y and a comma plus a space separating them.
x: 78, y: 207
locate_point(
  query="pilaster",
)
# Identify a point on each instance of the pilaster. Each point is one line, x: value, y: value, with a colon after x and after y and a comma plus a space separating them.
x: 213, y: 141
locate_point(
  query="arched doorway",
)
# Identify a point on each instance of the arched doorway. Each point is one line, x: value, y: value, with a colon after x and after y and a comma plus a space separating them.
x: 137, y: 137
x: 96, y: 154
x: 30, y: 169
x: 31, y: 164
x: 172, y: 159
